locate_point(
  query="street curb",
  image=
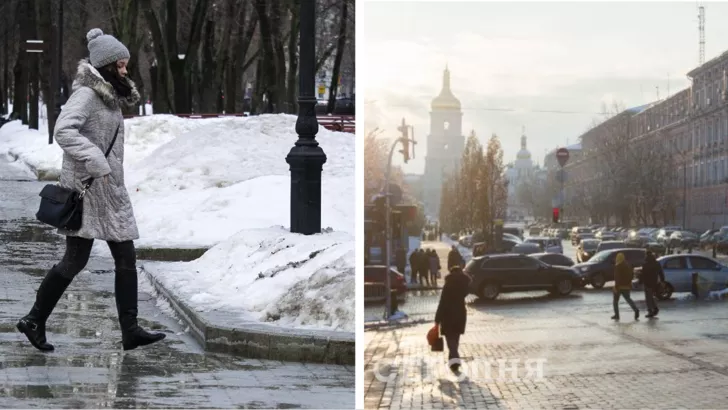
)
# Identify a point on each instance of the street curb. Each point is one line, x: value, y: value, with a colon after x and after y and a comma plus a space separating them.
x: 262, y: 341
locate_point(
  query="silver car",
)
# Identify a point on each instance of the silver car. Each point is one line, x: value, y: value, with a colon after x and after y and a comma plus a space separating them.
x: 679, y: 269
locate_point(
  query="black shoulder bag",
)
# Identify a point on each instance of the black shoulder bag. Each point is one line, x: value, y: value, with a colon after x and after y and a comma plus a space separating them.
x: 63, y: 207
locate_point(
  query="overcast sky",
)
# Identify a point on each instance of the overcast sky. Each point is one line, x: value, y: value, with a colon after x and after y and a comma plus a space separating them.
x: 528, y: 57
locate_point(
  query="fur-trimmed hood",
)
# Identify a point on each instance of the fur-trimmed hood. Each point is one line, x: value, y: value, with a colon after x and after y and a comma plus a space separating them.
x: 88, y: 76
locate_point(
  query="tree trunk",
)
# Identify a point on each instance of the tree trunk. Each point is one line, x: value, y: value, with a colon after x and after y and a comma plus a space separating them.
x: 340, y: 44
x: 267, y: 74
x: 292, y: 86
x: 208, y: 89
x: 34, y: 66
x: 47, y: 58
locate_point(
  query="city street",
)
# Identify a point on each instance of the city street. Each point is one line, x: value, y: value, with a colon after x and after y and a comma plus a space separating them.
x: 89, y: 368
x: 588, y: 361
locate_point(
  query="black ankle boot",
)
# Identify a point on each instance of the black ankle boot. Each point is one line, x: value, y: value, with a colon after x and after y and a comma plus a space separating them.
x: 49, y: 293
x: 126, y: 288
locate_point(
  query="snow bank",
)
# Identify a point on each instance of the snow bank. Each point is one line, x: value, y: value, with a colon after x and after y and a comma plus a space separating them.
x: 229, y: 174
x: 271, y: 275
x: 30, y: 149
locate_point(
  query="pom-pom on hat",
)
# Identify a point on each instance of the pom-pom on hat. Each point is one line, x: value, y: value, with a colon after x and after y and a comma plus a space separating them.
x: 104, y: 49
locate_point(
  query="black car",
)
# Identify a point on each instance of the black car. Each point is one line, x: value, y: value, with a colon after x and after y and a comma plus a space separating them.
x: 600, y: 267
x: 555, y: 259
x: 495, y: 274
x: 586, y: 249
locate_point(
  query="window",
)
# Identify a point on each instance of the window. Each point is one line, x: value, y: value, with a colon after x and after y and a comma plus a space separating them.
x: 679, y: 262
x: 526, y: 263
x: 701, y: 263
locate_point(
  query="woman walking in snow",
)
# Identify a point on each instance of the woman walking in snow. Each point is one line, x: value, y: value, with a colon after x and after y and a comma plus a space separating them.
x: 86, y: 127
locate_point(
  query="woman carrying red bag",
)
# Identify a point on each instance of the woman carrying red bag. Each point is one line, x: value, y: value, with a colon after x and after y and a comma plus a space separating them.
x: 451, y: 314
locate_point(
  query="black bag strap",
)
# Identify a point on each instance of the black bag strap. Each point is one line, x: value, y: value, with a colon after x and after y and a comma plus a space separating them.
x: 108, y: 151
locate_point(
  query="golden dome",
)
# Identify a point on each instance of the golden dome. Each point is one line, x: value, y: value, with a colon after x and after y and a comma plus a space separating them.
x: 523, y: 153
x: 446, y: 100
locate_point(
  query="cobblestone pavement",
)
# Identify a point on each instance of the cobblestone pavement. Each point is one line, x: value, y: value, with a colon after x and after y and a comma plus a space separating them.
x: 588, y: 361
x: 88, y: 368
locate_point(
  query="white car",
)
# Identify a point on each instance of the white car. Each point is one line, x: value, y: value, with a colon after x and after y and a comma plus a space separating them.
x: 548, y: 245
x: 679, y: 269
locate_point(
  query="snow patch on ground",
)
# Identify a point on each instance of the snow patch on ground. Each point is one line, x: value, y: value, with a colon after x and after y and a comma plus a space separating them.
x: 271, y: 275
x: 29, y: 148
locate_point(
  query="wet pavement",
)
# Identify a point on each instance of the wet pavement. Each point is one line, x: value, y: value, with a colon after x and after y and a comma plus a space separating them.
x: 588, y: 361
x: 89, y: 369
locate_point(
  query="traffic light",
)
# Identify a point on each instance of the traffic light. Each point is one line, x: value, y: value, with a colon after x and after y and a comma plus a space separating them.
x: 405, y: 141
x: 405, y: 149
x: 555, y: 215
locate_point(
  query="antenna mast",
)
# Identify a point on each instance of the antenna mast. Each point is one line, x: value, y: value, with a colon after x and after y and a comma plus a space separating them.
x: 701, y: 29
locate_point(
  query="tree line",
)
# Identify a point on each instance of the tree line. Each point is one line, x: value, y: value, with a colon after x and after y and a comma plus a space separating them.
x: 188, y: 56
x: 476, y: 194
x: 630, y: 182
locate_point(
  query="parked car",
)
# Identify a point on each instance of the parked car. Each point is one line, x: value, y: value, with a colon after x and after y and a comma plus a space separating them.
x: 605, y: 236
x: 679, y: 270
x: 576, y: 233
x: 496, y: 274
x: 707, y: 238
x: 555, y: 259
x: 599, y: 269
x: 606, y: 245
x: 514, y: 230
x: 512, y: 237
x: 683, y: 239
x: 526, y: 249
x: 585, y: 250
x: 376, y: 274
x: 663, y: 236
x: 534, y: 231
x: 549, y: 245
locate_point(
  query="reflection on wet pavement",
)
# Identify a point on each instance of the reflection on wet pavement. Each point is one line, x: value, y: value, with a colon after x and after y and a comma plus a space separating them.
x: 88, y: 367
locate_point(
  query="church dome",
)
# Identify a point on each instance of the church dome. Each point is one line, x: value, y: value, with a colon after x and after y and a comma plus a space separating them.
x: 524, y: 153
x: 446, y: 100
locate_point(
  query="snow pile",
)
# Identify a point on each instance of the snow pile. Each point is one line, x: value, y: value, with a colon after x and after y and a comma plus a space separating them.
x: 272, y: 275
x: 30, y: 149
x: 210, y: 182
x: 718, y: 294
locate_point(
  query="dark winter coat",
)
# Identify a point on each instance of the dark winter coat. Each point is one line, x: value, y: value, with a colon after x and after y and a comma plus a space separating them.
x: 454, y: 259
x: 651, y: 272
x: 623, y: 275
x: 434, y: 263
x: 414, y: 263
x: 401, y: 260
x: 451, y: 313
x: 84, y: 130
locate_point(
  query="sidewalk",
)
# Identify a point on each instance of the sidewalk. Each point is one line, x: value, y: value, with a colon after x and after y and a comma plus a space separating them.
x: 587, y: 361
x: 88, y: 367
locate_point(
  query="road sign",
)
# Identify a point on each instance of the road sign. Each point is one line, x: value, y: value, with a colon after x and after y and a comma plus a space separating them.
x: 322, y: 89
x: 562, y: 155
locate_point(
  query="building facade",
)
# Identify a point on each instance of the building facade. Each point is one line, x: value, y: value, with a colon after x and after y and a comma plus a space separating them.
x: 692, y: 125
x: 445, y: 145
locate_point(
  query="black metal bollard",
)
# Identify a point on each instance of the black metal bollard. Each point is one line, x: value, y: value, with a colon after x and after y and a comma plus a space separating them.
x: 394, y: 303
x: 694, y: 284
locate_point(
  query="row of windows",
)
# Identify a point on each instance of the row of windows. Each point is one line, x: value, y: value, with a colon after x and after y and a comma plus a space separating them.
x: 709, y: 202
x: 710, y: 172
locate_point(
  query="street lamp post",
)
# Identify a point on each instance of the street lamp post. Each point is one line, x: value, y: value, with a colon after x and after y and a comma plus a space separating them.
x: 306, y: 158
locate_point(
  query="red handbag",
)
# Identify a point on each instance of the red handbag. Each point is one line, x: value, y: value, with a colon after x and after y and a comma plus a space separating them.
x: 435, y: 340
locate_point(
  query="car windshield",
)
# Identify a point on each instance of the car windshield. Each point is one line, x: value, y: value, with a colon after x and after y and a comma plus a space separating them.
x: 600, y: 256
x: 590, y: 244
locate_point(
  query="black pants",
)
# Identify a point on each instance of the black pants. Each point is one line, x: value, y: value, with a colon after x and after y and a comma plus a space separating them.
x: 453, y: 343
x: 626, y: 295
x: 78, y: 251
x: 650, y: 298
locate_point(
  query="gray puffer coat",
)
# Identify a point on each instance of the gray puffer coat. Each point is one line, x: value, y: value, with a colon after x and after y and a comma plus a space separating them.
x: 84, y: 130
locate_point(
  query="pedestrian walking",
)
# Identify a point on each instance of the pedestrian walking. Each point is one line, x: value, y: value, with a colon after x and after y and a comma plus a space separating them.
x: 434, y: 267
x: 451, y: 315
x: 623, y: 285
x: 414, y: 266
x: 652, y: 276
x: 85, y: 128
x: 454, y: 258
x: 424, y: 260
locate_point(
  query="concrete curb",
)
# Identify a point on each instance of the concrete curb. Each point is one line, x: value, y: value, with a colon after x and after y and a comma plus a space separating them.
x: 259, y: 340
